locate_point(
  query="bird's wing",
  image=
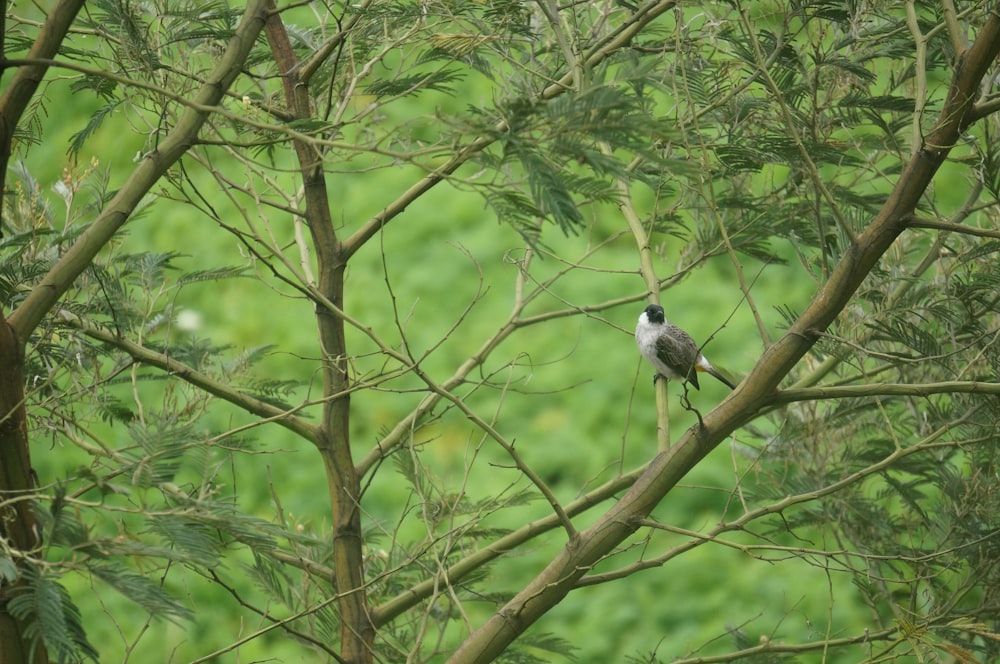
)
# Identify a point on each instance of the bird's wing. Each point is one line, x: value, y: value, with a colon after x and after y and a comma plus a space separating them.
x: 678, y: 351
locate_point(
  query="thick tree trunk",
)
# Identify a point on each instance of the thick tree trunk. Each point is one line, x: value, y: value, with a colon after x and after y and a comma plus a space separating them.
x: 18, y: 527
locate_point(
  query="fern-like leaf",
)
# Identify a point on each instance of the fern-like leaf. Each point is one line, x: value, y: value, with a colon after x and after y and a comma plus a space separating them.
x: 51, y: 618
x: 142, y: 590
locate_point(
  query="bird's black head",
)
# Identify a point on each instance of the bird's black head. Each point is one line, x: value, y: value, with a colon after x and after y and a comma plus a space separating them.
x: 654, y: 313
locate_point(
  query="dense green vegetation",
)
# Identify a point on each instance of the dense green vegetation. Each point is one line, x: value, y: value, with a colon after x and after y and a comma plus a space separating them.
x: 753, y: 148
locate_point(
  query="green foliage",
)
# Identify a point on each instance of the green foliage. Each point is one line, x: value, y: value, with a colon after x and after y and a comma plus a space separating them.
x: 140, y: 589
x: 539, y: 648
x: 51, y: 618
x: 96, y: 121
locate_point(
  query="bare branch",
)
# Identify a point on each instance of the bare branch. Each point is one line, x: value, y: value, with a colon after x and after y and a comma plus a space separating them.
x: 954, y: 228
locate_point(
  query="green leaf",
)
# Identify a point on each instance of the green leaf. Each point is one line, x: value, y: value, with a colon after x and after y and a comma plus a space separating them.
x: 51, y: 617
x: 196, y: 541
x: 8, y: 570
x: 550, y: 192
x: 213, y: 274
x: 141, y: 590
x: 440, y: 81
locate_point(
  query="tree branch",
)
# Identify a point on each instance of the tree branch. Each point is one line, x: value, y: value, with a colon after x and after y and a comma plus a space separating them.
x: 554, y: 582
x: 883, y: 390
x: 648, y: 273
x: 18, y: 94
x: 769, y: 647
x: 18, y: 524
x: 224, y: 391
x: 357, y: 633
x: 389, y: 610
x: 930, y: 441
x: 918, y: 222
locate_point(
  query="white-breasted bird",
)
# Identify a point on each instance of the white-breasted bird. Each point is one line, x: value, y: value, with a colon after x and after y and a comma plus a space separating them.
x: 671, y: 350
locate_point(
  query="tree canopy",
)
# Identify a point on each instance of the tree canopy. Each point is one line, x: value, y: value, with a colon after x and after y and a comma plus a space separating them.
x: 318, y: 317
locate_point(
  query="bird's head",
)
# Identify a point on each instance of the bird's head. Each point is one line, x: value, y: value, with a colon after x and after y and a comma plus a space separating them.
x: 653, y: 314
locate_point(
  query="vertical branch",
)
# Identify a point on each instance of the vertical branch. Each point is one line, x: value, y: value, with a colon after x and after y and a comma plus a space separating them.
x: 919, y: 77
x: 357, y: 630
x: 653, y: 290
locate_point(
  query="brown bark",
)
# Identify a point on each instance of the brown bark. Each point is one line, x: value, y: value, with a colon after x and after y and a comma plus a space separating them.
x: 18, y: 526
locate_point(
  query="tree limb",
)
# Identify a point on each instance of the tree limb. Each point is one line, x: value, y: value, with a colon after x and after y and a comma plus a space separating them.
x: 357, y: 633
x: 394, y: 607
x: 954, y: 228
x: 884, y: 390
x: 18, y: 94
x: 18, y: 524
x: 554, y: 582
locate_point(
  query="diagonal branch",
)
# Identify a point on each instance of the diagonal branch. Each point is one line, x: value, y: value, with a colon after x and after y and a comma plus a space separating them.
x: 153, y: 166
x: 556, y: 581
x: 930, y: 441
x: 18, y: 94
x: 456, y: 572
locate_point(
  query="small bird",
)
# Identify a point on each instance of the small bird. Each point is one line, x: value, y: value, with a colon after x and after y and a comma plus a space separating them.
x: 671, y: 350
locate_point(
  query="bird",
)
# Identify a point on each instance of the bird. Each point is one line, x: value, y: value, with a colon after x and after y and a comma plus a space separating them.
x: 671, y: 350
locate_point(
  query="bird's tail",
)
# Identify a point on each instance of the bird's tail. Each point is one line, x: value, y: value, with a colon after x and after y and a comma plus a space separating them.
x: 712, y: 372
